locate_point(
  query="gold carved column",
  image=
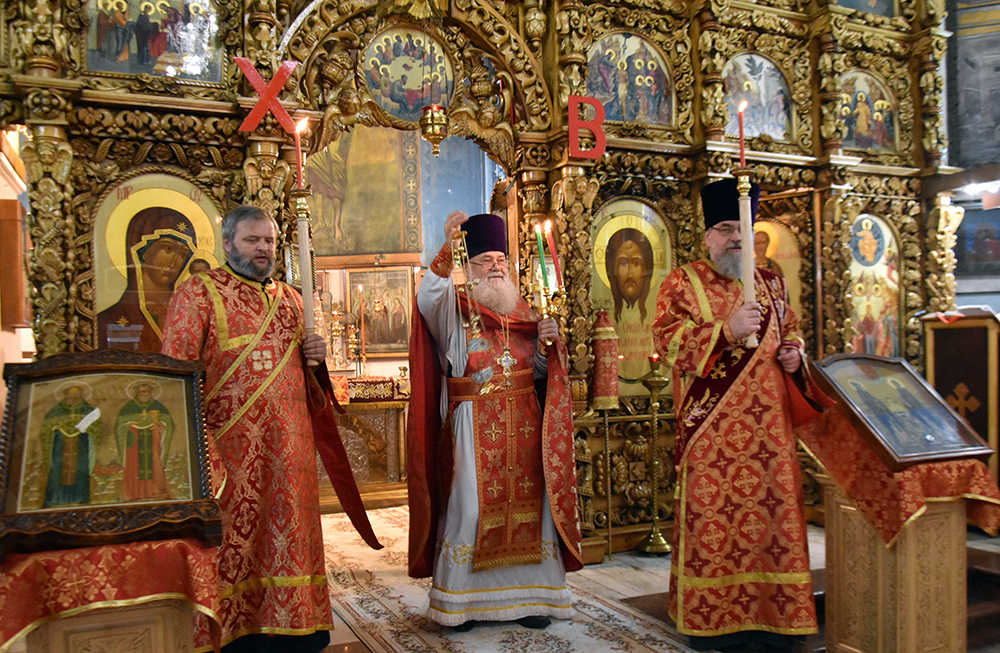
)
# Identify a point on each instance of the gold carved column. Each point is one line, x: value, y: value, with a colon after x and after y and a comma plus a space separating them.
x: 942, y: 223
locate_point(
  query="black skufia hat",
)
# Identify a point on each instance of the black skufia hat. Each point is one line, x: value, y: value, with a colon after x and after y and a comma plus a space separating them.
x: 720, y: 201
x: 485, y: 233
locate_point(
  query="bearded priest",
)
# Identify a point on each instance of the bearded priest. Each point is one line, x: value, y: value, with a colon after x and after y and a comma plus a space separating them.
x: 491, y: 471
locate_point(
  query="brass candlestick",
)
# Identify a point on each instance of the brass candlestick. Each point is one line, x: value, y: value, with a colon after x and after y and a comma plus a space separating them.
x: 654, y: 381
x: 337, y: 329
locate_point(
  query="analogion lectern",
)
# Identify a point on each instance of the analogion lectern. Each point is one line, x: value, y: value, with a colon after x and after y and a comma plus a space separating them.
x: 903, y: 466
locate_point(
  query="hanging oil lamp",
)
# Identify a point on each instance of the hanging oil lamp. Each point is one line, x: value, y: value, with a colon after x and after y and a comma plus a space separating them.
x: 434, y: 126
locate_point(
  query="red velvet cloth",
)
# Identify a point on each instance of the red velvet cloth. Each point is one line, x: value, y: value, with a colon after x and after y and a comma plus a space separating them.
x: 40, y: 586
x: 890, y: 500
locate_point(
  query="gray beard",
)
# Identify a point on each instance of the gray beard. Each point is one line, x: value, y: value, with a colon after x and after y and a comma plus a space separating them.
x: 501, y: 299
x: 246, y: 267
x: 729, y: 264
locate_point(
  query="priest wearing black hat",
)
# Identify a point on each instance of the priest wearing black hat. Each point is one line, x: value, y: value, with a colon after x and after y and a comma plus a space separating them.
x: 740, y: 566
x: 490, y: 473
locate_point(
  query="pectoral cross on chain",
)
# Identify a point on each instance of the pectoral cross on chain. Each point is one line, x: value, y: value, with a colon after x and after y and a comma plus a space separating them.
x: 507, y: 361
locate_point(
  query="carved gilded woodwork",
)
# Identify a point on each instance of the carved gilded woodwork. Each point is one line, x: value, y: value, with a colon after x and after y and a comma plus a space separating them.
x: 574, y: 37
x: 535, y: 25
x: 45, y: 37
x: 930, y: 48
x: 939, y: 280
x: 573, y: 198
x: 713, y: 52
x: 664, y: 27
x: 784, y: 42
x: 48, y: 161
x: 630, y: 474
x: 515, y: 55
x: 831, y: 68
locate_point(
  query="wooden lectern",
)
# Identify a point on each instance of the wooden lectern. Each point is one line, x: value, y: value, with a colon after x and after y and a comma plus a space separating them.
x: 901, y: 464
x: 961, y: 359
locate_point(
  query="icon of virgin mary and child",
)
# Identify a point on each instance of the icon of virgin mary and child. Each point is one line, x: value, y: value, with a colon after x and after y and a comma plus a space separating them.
x: 160, y: 245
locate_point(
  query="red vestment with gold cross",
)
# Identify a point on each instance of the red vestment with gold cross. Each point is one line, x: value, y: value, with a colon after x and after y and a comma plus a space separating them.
x: 271, y: 562
x: 740, y: 559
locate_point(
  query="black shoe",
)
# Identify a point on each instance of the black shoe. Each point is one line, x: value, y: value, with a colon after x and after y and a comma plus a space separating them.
x: 464, y: 627
x: 534, y: 622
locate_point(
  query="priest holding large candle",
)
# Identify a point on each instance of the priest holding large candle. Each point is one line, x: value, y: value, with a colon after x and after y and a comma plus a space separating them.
x: 744, y: 547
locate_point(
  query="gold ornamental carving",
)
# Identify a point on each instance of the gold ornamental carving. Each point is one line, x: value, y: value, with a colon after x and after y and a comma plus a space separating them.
x: 574, y: 37
x: 573, y: 198
x: 480, y: 111
x: 515, y: 54
x: 44, y: 35
x: 835, y: 238
x: 714, y: 51
x: 831, y: 67
x: 930, y: 50
x: 942, y: 223
x: 48, y: 161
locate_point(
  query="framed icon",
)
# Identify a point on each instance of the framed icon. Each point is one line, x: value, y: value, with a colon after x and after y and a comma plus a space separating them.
x: 102, y: 448
x: 897, y: 412
x: 380, y: 301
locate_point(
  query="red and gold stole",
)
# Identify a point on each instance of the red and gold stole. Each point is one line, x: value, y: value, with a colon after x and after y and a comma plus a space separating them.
x: 258, y: 357
x: 508, y: 440
x: 705, y: 394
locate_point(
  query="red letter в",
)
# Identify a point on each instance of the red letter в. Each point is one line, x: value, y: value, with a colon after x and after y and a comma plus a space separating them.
x: 576, y: 124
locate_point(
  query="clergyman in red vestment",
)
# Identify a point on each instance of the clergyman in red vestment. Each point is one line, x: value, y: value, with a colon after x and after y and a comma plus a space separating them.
x: 740, y: 564
x: 492, y: 494
x: 246, y: 328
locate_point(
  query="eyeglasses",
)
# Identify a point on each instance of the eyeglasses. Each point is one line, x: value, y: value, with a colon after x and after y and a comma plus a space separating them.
x: 726, y: 230
x: 488, y: 263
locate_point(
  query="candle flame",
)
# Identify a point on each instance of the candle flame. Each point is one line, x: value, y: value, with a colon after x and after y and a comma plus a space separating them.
x: 743, y: 105
x: 538, y: 228
x: 301, y: 125
x: 548, y: 226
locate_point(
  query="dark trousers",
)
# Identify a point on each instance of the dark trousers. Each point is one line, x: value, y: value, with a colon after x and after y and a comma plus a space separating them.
x: 311, y: 643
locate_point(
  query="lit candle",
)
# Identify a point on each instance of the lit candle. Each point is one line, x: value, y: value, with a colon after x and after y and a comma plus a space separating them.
x: 541, y: 256
x: 552, y: 250
x: 300, y: 127
x: 361, y: 305
x: 743, y: 147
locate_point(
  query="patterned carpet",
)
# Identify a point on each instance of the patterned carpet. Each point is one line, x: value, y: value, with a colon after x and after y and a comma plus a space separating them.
x: 372, y: 593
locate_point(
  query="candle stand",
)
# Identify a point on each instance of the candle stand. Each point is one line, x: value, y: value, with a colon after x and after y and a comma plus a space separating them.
x: 654, y: 381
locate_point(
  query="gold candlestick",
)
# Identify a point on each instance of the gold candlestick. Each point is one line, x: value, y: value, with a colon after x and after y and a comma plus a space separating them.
x: 654, y: 381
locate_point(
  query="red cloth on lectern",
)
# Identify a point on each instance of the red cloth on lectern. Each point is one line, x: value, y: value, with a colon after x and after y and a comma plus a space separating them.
x: 39, y: 586
x: 891, y: 500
